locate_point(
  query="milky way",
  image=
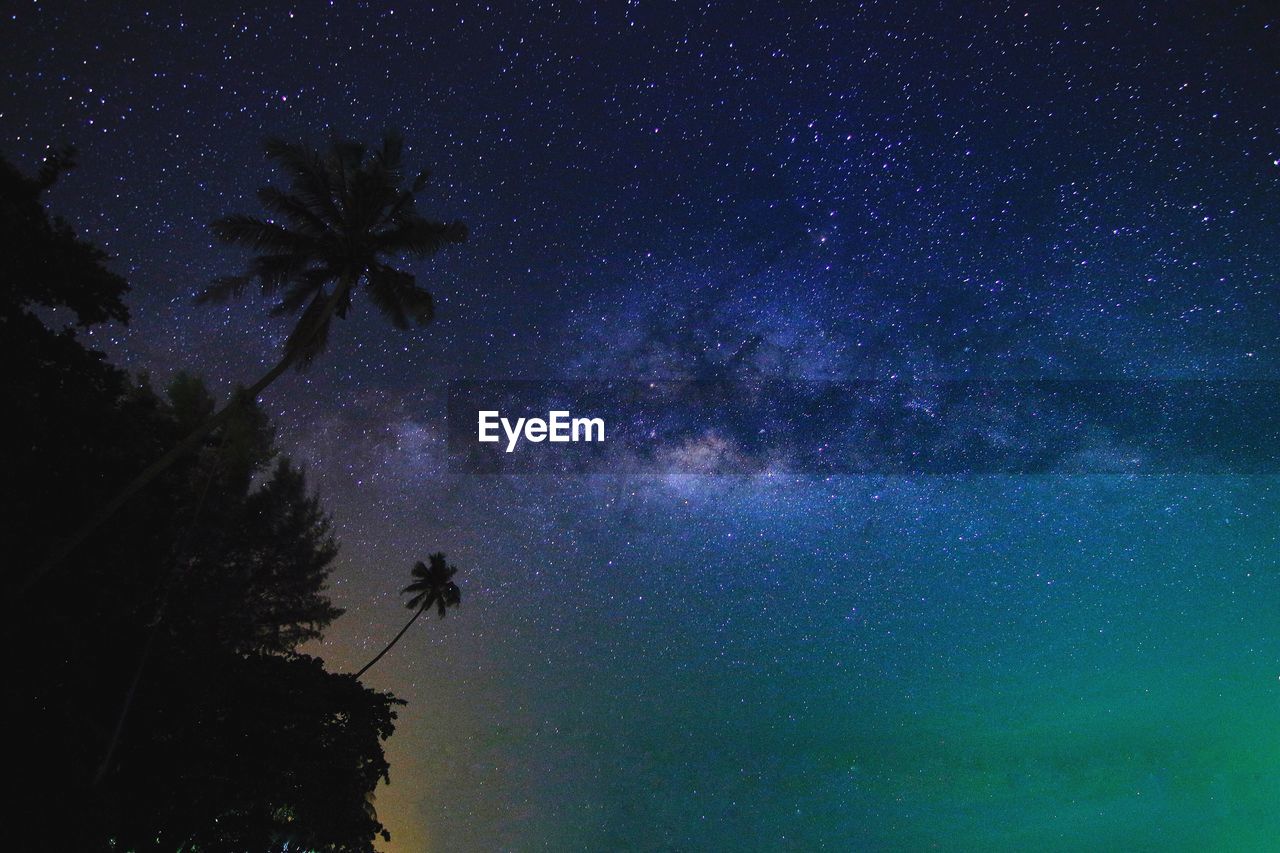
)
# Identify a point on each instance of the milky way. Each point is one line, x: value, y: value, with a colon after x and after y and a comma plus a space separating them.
x: 896, y: 191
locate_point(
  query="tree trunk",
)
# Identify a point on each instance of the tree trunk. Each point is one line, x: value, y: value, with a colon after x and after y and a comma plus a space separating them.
x: 161, y: 609
x: 104, y: 513
x: 104, y: 766
x: 394, y: 640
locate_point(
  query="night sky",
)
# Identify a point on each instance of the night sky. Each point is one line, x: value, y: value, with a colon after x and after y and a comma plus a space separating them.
x: 880, y: 191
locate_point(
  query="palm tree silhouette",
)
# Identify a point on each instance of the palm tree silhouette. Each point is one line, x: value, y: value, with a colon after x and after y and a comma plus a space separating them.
x: 433, y: 585
x: 346, y: 215
x: 345, y: 212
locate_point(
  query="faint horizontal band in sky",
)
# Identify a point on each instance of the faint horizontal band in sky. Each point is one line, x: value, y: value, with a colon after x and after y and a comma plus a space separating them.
x: 760, y: 427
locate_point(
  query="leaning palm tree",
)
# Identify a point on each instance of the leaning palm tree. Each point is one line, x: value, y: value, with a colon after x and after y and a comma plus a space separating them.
x: 432, y: 585
x: 346, y: 217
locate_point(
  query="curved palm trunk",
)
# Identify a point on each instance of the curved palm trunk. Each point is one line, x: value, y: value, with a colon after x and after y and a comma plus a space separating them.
x: 394, y: 640
x: 104, y: 513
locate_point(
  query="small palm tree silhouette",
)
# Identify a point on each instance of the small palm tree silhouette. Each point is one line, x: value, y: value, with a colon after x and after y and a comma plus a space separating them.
x: 433, y: 585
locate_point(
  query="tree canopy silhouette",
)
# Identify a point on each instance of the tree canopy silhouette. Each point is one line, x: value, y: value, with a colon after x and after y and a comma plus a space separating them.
x: 346, y: 218
x: 45, y: 264
x: 235, y: 739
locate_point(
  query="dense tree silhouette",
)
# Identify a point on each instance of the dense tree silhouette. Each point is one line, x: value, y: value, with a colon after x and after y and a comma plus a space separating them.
x: 344, y: 221
x: 235, y: 740
x: 432, y: 586
x: 45, y: 264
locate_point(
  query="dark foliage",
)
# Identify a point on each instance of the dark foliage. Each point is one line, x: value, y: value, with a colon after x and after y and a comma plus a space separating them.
x: 44, y: 264
x: 433, y: 585
x: 202, y: 589
x: 346, y: 216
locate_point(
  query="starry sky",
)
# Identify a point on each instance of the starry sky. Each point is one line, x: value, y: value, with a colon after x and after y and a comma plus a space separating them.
x: 882, y: 190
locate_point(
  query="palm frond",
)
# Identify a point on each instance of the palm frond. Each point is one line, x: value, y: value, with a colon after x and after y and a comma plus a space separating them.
x: 309, y: 177
x: 420, y: 237
x: 371, y: 195
x: 300, y: 214
x: 401, y: 209
x: 392, y: 151
x: 301, y: 288
x: 399, y: 298
x: 433, y: 585
x: 224, y: 289
x: 274, y: 271
x: 341, y: 161
x: 260, y: 235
